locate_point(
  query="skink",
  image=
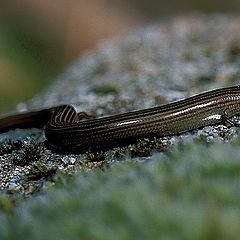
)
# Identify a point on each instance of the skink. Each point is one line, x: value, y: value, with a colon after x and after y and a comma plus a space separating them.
x: 67, y: 131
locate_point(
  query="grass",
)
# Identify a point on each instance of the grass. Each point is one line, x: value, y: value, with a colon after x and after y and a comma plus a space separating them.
x: 187, y: 194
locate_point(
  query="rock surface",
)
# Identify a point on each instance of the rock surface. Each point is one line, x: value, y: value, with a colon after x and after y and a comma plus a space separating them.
x: 148, y: 66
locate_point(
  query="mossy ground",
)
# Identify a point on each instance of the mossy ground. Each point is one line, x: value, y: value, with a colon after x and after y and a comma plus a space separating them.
x: 190, y: 193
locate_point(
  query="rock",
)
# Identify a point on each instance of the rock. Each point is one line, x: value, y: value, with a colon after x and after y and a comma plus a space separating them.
x: 148, y: 66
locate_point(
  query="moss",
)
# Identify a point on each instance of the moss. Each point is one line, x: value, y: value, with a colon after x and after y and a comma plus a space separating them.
x: 145, y: 147
x: 202, y: 138
x: 205, y: 79
x: 40, y: 170
x: 195, y: 186
x: 7, y: 203
x: 105, y: 89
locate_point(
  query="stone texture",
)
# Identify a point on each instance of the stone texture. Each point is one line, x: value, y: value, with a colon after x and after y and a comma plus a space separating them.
x: 148, y: 66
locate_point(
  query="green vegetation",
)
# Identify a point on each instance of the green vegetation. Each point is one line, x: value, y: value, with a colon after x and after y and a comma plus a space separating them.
x: 105, y: 89
x: 205, y: 79
x: 190, y: 193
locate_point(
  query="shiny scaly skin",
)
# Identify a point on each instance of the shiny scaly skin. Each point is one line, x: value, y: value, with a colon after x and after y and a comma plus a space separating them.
x: 65, y: 131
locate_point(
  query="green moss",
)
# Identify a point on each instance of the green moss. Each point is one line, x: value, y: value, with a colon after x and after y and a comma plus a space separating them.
x: 7, y: 203
x: 105, y: 89
x: 205, y: 79
x: 41, y: 171
x: 190, y: 193
x: 202, y: 138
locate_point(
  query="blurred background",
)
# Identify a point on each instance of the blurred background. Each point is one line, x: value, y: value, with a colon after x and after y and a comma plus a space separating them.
x: 38, y: 39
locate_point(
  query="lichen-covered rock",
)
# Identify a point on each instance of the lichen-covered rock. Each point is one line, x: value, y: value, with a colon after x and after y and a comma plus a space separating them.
x: 148, y: 66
